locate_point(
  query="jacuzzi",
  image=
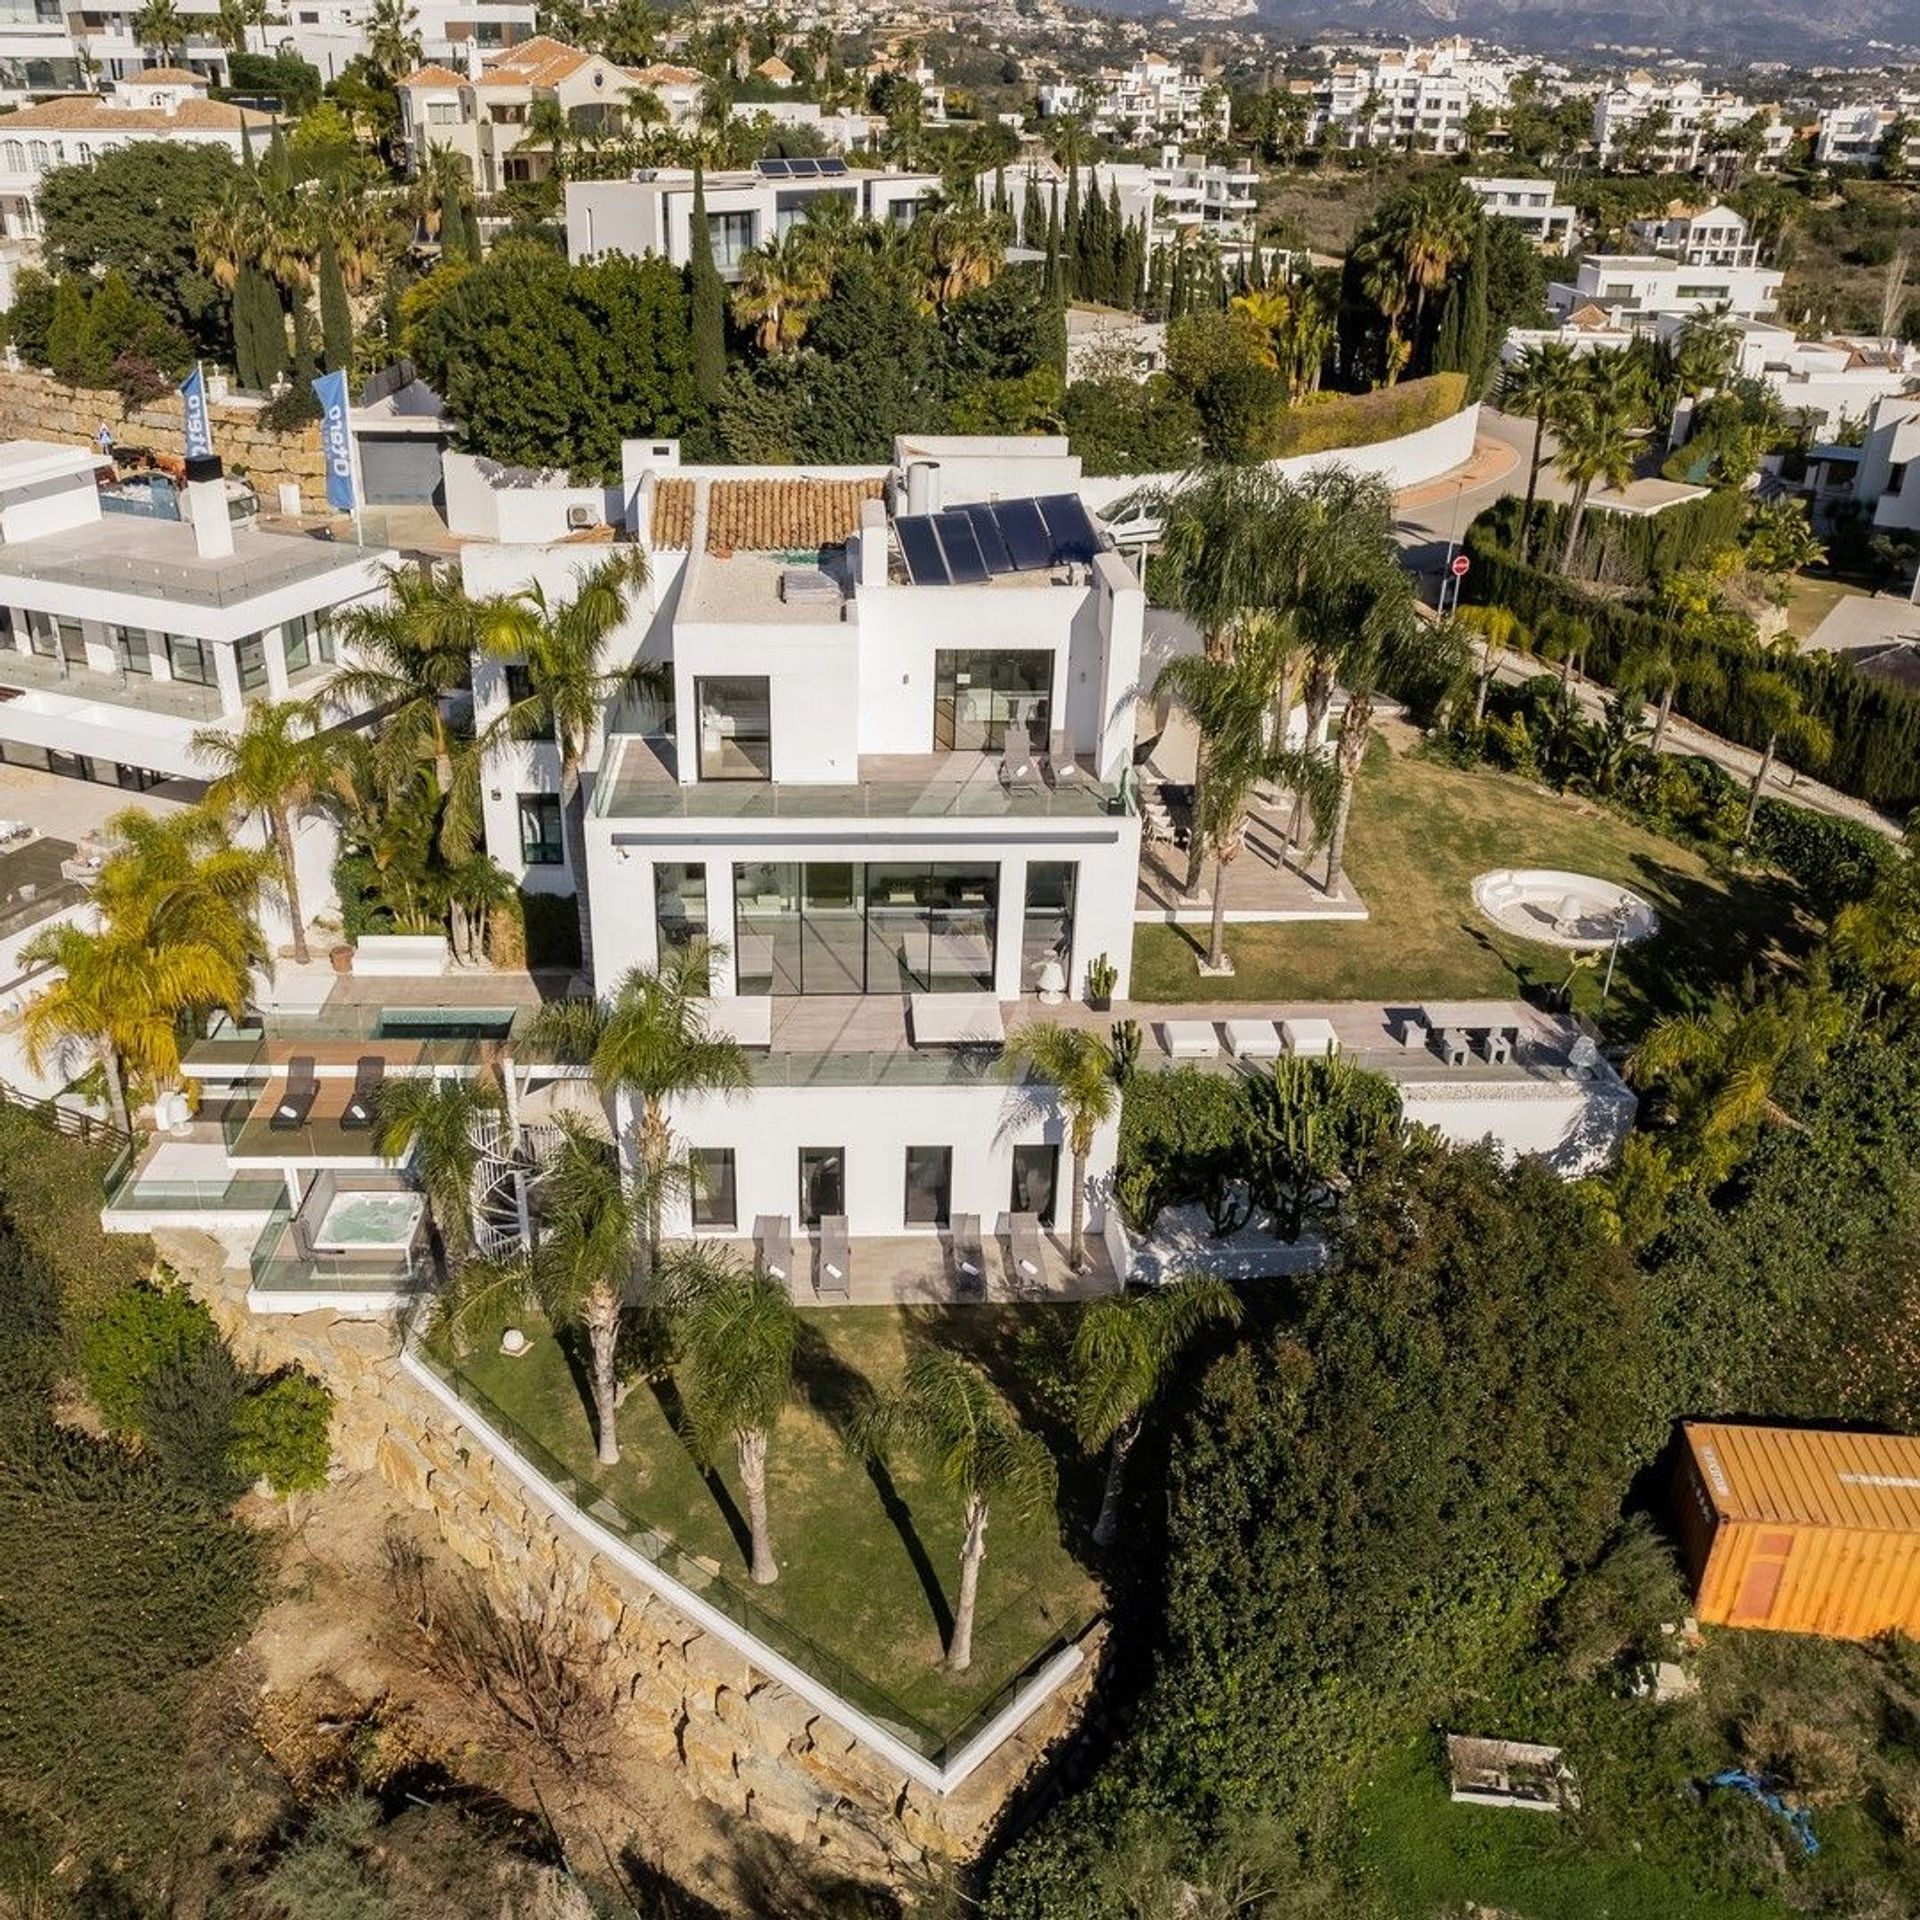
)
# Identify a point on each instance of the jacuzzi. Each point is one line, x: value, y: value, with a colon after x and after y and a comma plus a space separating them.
x: 370, y: 1223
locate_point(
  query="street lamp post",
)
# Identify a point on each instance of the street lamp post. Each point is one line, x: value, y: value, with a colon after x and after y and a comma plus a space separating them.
x: 1620, y: 916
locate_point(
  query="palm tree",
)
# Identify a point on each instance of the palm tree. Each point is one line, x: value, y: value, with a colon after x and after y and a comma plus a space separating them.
x: 179, y: 881
x: 1079, y: 1068
x: 438, y: 1123
x: 564, y: 649
x: 121, y: 999
x: 1436, y: 228
x: 1386, y: 635
x: 1706, y: 349
x: 550, y: 131
x: 734, y: 1333
x: 1780, y: 712
x: 948, y: 1413
x: 1540, y: 382
x: 1497, y: 630
x: 781, y: 283
x: 277, y: 765
x: 1232, y: 703
x: 234, y: 20
x: 650, y: 1040
x: 964, y: 246
x: 393, y: 39
x: 412, y: 655
x: 1123, y: 1350
x: 1662, y: 667
x: 1596, y: 445
x: 160, y: 27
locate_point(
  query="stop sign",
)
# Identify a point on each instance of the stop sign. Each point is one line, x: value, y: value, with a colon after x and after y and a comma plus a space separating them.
x: 1460, y: 566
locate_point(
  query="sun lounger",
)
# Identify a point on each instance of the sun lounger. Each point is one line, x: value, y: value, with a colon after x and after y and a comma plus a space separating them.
x: 1253, y: 1039
x: 835, y: 1271
x: 1190, y: 1039
x: 773, y: 1247
x: 368, y: 1073
x: 302, y: 1090
x: 968, y: 1258
x: 1027, y: 1254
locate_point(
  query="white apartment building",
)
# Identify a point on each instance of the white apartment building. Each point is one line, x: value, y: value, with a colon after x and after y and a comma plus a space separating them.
x: 1635, y: 291
x: 1710, y: 236
x: 484, y: 116
x: 1529, y: 204
x: 652, y: 213
x: 166, y: 104
x: 843, y: 131
x: 1415, y: 97
x: 1688, y: 119
x: 41, y: 43
x: 1853, y: 135
x: 1887, y: 476
x: 1155, y: 99
x: 1183, y: 193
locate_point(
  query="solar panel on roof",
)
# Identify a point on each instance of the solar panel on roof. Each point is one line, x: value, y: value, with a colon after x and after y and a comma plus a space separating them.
x: 993, y: 544
x: 806, y: 169
x: 964, y: 563
x: 1025, y: 533
x: 776, y: 169
x: 1073, y: 534
x: 832, y: 166
x: 920, y: 549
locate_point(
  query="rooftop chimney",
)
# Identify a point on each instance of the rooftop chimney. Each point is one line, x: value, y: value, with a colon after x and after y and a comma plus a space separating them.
x: 207, y: 507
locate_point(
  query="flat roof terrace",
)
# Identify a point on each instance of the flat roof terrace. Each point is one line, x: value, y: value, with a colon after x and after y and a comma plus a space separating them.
x: 157, y: 559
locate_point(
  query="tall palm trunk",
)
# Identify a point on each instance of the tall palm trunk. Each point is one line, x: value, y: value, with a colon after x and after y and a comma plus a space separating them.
x: 1077, y: 1211
x: 1196, y: 843
x: 1483, y: 684
x: 1319, y: 697
x: 1106, y: 1529
x: 573, y: 818
x: 1574, y: 521
x: 752, y: 1448
x: 1760, y: 774
x: 116, y: 1084
x: 1217, y: 946
x: 973, y: 1550
x: 1354, y: 728
x: 289, y: 872
x: 656, y: 1147
x: 602, y: 1319
x: 1533, y: 482
x: 1661, y: 715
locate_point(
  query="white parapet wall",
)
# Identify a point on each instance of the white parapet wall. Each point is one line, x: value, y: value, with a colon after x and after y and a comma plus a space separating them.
x: 1406, y: 462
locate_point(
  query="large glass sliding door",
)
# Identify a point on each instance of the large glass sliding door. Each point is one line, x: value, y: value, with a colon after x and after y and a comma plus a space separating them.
x: 838, y: 927
x: 1046, y: 933
x: 823, y: 1184
x: 977, y: 695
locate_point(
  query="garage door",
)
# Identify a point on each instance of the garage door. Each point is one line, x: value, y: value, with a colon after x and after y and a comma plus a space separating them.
x: 401, y: 470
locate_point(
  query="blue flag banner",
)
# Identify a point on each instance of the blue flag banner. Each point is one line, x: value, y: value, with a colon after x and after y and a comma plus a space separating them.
x: 336, y: 441
x: 193, y: 395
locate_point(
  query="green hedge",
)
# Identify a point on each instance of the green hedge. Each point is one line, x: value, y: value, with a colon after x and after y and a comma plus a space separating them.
x: 1330, y: 421
x: 1649, y: 544
x: 1875, y: 727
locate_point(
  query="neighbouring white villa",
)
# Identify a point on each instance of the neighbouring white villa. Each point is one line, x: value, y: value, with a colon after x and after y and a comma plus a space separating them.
x: 652, y: 213
x: 1635, y: 291
x: 1529, y: 204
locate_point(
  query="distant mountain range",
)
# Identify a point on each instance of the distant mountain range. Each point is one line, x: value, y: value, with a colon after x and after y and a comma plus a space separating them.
x: 1835, y: 30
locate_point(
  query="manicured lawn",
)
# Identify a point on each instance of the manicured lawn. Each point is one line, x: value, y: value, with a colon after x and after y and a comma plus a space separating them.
x: 869, y: 1559
x: 1420, y: 833
x: 1811, y: 599
x: 1421, y: 1857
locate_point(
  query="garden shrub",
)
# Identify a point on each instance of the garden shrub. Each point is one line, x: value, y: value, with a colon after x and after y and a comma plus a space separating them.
x: 280, y: 1434
x: 187, y: 1411
x: 1330, y: 421
x: 1182, y: 1135
x: 142, y: 1332
x: 50, y: 1191
x: 1833, y: 861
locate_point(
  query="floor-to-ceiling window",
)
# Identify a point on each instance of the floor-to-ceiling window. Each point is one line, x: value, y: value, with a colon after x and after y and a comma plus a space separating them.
x: 834, y: 926
x: 734, y: 718
x: 929, y: 1201
x: 1046, y: 932
x: 1036, y: 1175
x: 823, y: 1184
x: 977, y: 694
x: 679, y: 903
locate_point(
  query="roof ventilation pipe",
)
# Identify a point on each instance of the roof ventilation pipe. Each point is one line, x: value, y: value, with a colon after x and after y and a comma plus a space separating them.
x: 923, y: 487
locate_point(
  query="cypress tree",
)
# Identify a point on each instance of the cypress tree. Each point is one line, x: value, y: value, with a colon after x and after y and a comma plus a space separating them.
x: 336, y: 316
x: 1070, y: 231
x: 69, y: 338
x: 303, y: 367
x: 1055, y: 279
x: 1447, y: 347
x: 270, y: 324
x: 1033, y: 212
x: 1116, y: 236
x: 1001, y: 204
x: 707, y: 299
x: 1476, y: 345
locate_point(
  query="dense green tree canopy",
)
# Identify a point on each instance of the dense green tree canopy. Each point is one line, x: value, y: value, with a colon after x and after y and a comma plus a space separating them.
x: 133, y: 208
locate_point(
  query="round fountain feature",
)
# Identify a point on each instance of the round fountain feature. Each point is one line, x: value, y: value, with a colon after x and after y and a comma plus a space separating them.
x: 1563, y: 909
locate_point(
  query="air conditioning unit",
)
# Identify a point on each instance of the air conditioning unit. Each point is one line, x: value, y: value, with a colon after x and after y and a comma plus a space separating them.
x: 581, y: 517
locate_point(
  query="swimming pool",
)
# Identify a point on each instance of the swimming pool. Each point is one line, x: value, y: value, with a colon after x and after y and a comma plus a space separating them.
x: 357, y: 1222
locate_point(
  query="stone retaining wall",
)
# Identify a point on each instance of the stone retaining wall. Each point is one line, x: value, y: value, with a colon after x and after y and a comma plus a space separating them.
x: 741, y: 1738
x: 36, y: 406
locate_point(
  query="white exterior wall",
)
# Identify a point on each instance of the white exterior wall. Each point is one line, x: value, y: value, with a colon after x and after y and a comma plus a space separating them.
x: 982, y: 1122
x: 1578, y: 1131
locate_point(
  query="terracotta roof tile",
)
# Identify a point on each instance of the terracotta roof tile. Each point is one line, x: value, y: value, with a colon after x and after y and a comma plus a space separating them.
x: 673, y: 515
x: 434, y: 75
x: 767, y: 516
x: 168, y: 77
x: 79, y: 114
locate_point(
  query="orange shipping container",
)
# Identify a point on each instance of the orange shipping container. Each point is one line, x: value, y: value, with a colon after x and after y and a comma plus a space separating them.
x: 1801, y: 1530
